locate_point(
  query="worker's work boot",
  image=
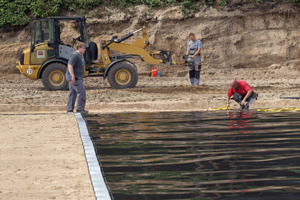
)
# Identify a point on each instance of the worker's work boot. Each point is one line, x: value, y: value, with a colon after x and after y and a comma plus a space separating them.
x: 83, y: 112
x: 246, y: 107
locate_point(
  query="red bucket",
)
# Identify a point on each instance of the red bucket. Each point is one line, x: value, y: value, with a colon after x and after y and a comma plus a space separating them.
x: 154, y: 72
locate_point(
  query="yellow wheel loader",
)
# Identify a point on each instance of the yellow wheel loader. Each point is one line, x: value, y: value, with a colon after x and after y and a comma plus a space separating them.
x: 48, y: 55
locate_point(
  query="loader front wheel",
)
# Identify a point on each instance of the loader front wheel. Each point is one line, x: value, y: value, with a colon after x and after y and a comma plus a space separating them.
x: 122, y: 75
x: 53, y: 77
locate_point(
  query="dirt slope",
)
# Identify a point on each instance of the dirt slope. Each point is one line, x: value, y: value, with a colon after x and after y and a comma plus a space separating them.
x: 261, y: 46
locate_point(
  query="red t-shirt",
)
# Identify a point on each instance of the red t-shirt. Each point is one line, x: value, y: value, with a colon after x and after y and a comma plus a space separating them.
x: 242, y: 89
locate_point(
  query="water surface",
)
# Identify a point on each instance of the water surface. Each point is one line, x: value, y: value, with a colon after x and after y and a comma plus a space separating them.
x: 199, y: 155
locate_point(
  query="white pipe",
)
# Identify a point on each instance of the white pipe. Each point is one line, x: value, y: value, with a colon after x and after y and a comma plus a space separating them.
x: 137, y: 30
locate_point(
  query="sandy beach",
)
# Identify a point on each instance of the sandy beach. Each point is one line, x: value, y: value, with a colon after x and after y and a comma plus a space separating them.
x: 42, y: 158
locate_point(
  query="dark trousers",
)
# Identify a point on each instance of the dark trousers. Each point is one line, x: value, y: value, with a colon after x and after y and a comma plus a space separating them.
x: 194, y: 72
x: 239, y: 97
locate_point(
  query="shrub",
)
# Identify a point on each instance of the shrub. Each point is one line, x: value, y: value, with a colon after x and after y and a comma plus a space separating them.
x: 14, y: 13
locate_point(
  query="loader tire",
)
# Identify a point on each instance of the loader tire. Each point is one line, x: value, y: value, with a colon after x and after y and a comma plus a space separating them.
x: 122, y: 75
x: 53, y: 77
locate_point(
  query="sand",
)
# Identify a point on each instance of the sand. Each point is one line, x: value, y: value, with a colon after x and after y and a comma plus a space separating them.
x: 152, y: 94
x: 42, y: 158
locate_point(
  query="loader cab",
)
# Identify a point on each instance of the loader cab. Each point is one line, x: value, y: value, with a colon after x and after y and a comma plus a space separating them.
x: 43, y: 31
x: 42, y: 41
x: 49, y: 39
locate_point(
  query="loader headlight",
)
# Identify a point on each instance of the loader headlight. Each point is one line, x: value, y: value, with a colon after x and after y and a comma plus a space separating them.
x: 22, y: 58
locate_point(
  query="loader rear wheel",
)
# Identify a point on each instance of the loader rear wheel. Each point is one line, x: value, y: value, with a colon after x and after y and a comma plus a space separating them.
x: 53, y: 77
x: 122, y: 75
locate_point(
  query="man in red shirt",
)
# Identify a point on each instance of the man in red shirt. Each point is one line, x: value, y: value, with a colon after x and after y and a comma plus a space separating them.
x: 241, y: 92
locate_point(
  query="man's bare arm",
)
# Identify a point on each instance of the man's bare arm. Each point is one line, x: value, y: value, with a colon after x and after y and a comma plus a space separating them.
x: 71, y: 70
x: 246, y: 97
x: 228, y: 99
x: 197, y: 52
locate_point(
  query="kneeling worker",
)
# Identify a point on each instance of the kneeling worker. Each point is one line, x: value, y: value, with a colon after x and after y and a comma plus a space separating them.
x: 241, y: 92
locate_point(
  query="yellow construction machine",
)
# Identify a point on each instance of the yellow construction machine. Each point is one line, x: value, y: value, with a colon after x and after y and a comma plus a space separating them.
x: 48, y: 55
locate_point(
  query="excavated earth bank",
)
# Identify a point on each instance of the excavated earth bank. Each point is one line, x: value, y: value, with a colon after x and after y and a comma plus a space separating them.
x: 259, y: 45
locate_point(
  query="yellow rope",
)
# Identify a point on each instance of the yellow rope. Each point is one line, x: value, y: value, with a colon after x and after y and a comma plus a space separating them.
x: 279, y: 109
x: 221, y: 108
x: 262, y: 109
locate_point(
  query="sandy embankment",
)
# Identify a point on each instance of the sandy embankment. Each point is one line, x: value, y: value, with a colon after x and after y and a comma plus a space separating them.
x: 42, y: 158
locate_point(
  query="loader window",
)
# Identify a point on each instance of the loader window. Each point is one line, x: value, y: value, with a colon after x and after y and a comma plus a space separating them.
x: 43, y: 31
x: 70, y: 31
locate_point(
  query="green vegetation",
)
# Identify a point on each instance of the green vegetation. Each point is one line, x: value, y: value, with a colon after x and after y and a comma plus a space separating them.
x: 20, y: 12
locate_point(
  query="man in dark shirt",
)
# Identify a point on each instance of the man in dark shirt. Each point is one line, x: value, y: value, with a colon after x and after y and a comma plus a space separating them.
x: 74, y: 76
x: 241, y: 92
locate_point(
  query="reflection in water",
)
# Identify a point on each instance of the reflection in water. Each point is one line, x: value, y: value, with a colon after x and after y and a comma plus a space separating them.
x: 199, y: 155
x: 239, y: 120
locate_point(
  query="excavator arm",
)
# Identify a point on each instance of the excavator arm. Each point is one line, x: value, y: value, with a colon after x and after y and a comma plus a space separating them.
x: 140, y: 47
